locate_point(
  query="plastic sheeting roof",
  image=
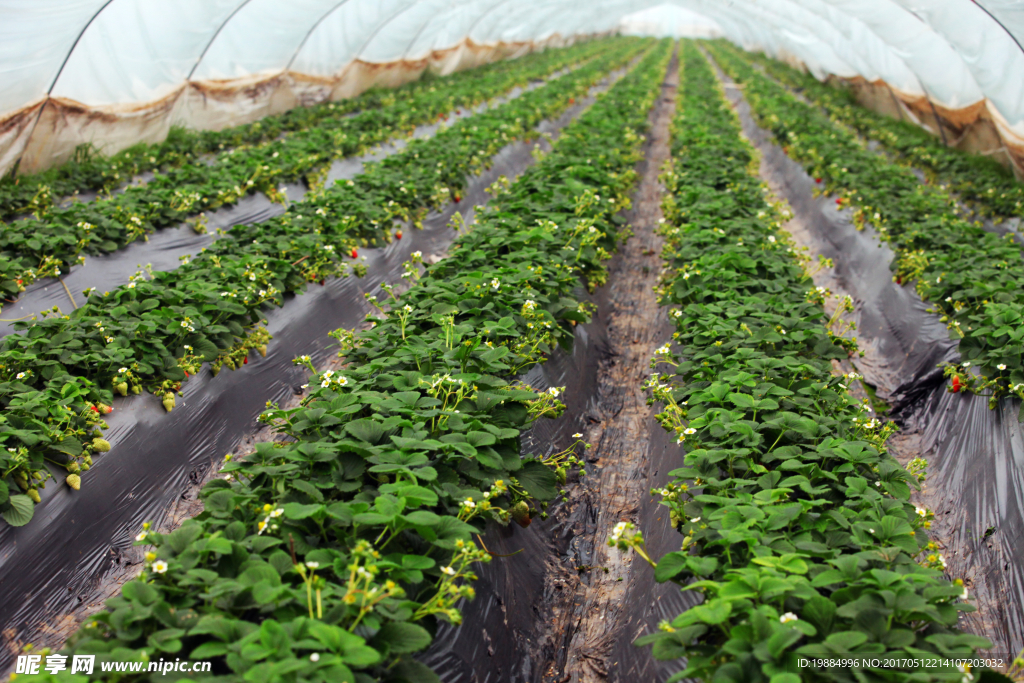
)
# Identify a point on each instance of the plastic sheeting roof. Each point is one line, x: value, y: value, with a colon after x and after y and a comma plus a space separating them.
x: 99, y: 52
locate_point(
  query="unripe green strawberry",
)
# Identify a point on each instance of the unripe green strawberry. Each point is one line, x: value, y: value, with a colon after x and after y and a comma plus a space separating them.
x: 168, y: 401
x: 22, y: 481
x: 34, y: 495
x: 122, y: 388
x: 560, y: 475
x: 675, y: 519
x: 86, y: 467
x: 136, y: 389
x: 262, y: 350
x: 214, y: 370
x: 72, y: 467
x: 100, y: 445
x: 74, y: 481
x: 521, y: 513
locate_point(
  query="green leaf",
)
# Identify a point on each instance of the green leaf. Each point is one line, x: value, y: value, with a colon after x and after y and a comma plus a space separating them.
x: 538, y: 480
x: 300, y: 511
x: 422, y: 518
x: 847, y: 640
x: 366, y: 430
x: 140, y: 592
x: 20, y: 511
x: 782, y: 639
x: 670, y: 566
x: 182, y: 537
x: 785, y: 677
x: 713, y: 612
x: 209, y: 650
x: 401, y: 638
x: 69, y: 445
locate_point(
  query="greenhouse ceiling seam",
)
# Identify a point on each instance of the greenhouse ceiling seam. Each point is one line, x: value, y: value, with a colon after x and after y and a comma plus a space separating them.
x: 1001, y: 25
x: 476, y: 22
x: 423, y: 27
x: 373, y: 34
x: 213, y: 38
x: 56, y: 77
x: 302, y: 43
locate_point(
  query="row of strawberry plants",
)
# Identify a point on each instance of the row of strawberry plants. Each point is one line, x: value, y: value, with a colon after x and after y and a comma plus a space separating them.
x: 89, y: 171
x: 332, y: 556
x: 55, y: 238
x: 60, y: 375
x: 988, y: 186
x: 972, y: 278
x: 797, y: 526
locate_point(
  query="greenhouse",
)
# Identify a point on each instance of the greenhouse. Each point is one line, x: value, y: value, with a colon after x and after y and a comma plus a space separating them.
x: 412, y: 341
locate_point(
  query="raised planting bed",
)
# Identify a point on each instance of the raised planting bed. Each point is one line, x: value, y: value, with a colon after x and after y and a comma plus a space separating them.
x: 795, y: 521
x: 972, y: 278
x: 56, y: 237
x: 154, y: 333
x: 986, y: 185
x: 331, y: 555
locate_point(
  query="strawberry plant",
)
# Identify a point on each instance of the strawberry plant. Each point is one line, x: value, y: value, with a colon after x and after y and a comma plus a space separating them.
x: 152, y: 333
x: 797, y: 531
x: 56, y: 238
x: 971, y: 277
x: 332, y: 554
x: 986, y: 185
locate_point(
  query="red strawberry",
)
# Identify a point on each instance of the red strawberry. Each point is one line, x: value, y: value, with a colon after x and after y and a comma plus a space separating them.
x: 95, y: 409
x: 839, y: 201
x: 572, y: 100
x: 458, y: 199
x: 899, y: 280
x: 245, y: 361
x: 19, y: 282
x: 186, y: 373
x: 817, y: 180
x: 398, y: 235
x: 355, y: 253
x: 458, y: 112
x: 323, y: 281
x: 956, y: 384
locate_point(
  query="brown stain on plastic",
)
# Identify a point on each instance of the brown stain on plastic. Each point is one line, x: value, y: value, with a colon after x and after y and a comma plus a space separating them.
x: 587, y: 610
x: 214, y: 104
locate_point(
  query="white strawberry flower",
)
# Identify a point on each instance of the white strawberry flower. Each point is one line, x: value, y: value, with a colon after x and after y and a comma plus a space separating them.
x: 159, y: 567
x: 788, y: 616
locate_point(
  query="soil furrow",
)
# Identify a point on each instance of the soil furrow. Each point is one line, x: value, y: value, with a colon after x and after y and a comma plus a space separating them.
x: 589, y: 611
